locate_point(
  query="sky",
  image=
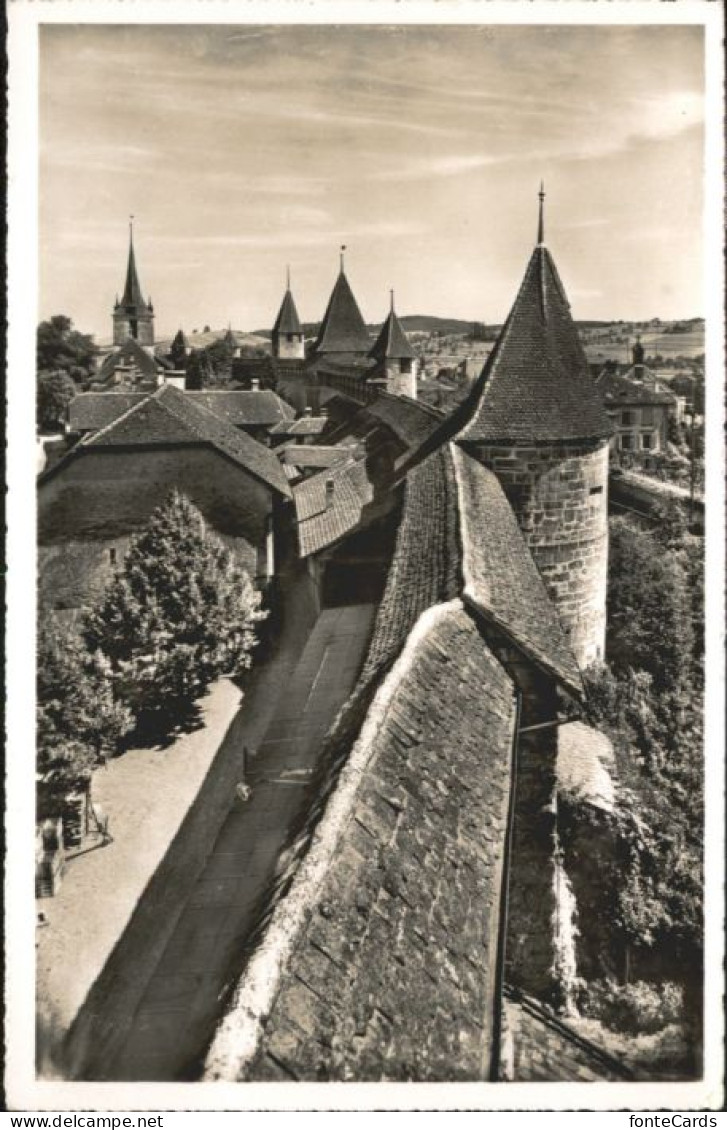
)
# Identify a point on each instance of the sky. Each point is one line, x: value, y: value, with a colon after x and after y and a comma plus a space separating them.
x: 241, y: 149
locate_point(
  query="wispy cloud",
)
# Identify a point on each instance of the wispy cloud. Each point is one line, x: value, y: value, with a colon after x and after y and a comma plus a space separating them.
x: 321, y: 237
x: 446, y: 166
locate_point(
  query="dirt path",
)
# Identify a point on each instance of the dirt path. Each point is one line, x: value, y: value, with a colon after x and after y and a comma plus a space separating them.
x: 102, y: 884
x: 172, y: 1020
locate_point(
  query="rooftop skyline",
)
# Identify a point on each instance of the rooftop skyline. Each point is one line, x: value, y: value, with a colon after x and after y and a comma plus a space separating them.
x: 240, y: 150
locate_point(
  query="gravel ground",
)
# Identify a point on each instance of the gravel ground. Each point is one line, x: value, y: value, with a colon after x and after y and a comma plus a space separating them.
x: 145, y: 794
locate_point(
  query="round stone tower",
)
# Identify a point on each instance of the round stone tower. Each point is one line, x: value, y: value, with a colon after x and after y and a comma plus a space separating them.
x: 539, y: 424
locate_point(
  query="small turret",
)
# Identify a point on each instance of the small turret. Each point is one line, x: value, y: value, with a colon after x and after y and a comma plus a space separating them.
x: 287, y: 336
x: 394, y: 357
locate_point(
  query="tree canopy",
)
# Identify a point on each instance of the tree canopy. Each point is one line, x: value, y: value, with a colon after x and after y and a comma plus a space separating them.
x: 648, y: 699
x: 79, y: 719
x: 59, y: 346
x: 54, y: 392
x: 179, y: 613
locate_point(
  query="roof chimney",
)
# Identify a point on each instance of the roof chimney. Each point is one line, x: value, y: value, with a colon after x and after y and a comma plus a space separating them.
x: 255, y: 384
x: 308, y: 411
x: 330, y: 488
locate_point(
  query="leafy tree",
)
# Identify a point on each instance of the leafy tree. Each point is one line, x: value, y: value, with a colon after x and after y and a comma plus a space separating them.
x: 59, y: 346
x: 198, y: 371
x: 219, y: 359
x: 649, y: 614
x: 54, y: 392
x: 178, y: 351
x: 180, y: 613
x: 79, y: 721
x: 649, y: 702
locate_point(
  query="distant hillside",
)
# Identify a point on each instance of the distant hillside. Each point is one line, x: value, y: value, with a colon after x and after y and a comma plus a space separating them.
x: 412, y: 323
x: 669, y: 338
x: 200, y: 339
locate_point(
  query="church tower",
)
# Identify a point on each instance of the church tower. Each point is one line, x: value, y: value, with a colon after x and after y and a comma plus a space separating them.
x: 395, y: 358
x: 132, y: 316
x: 538, y: 422
x: 287, y: 331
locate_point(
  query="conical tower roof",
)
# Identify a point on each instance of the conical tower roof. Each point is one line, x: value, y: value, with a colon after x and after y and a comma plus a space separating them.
x: 287, y: 321
x: 392, y: 341
x: 132, y: 295
x: 343, y: 329
x: 536, y: 386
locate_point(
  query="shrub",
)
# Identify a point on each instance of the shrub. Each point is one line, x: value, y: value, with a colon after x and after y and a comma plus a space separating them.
x: 634, y: 1009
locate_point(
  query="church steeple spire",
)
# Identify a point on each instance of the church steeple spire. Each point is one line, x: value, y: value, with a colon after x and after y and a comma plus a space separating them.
x: 133, y: 317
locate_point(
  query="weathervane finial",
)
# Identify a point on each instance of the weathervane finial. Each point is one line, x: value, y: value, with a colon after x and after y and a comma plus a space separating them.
x: 287, y: 275
x: 343, y: 248
x: 391, y: 292
x: 541, y: 223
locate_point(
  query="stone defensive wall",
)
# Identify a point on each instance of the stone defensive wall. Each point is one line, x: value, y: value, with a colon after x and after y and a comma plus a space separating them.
x: 377, y: 955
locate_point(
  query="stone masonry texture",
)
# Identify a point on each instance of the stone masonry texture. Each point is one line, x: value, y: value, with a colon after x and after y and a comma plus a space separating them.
x: 393, y: 977
x: 559, y: 494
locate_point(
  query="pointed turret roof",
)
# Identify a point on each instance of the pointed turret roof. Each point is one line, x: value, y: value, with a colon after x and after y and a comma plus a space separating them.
x: 392, y: 341
x: 536, y: 386
x: 132, y: 295
x: 287, y: 321
x: 343, y: 329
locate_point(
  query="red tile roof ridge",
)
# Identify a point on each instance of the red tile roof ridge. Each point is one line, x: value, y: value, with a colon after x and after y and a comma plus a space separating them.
x: 237, y: 1038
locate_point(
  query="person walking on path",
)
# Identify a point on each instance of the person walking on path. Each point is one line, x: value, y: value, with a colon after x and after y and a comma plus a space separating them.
x: 243, y: 791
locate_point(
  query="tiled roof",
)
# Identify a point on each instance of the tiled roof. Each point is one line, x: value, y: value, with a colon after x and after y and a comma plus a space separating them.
x: 169, y: 416
x: 320, y: 525
x: 287, y: 321
x: 343, y: 329
x: 130, y: 353
x: 245, y: 406
x: 392, y: 341
x: 426, y: 568
x: 618, y: 389
x: 90, y: 411
x: 305, y: 455
x: 411, y: 421
x: 393, y: 975
x: 536, y: 386
x: 585, y: 765
x: 304, y: 426
x: 501, y: 578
